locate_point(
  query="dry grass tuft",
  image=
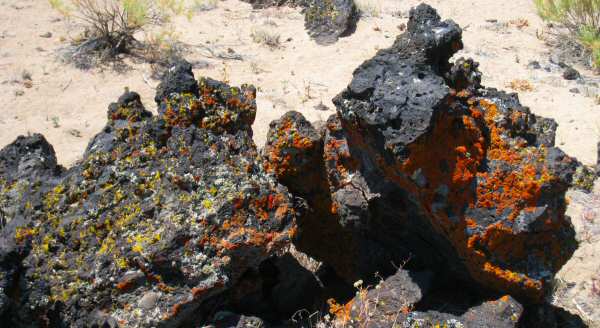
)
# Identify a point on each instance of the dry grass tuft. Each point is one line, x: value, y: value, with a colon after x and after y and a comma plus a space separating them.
x: 520, y: 23
x: 112, y: 28
x: 581, y: 18
x: 266, y: 37
x: 520, y: 85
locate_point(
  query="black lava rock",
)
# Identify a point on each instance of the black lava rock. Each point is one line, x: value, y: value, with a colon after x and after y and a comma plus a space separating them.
x: 177, y: 79
x: 160, y: 219
x: 571, y: 74
x: 328, y: 20
x: 424, y: 163
x: 534, y: 64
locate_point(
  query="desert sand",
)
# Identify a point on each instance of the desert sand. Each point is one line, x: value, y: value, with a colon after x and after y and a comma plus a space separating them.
x: 68, y: 105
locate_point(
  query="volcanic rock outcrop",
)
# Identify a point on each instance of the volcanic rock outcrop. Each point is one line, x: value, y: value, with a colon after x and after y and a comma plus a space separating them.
x: 425, y: 165
x: 28, y: 170
x: 294, y: 154
x: 162, y: 216
x: 176, y: 220
x: 325, y: 20
x: 328, y: 20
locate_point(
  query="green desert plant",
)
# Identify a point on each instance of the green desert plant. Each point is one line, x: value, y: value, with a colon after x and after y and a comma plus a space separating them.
x: 590, y: 38
x: 580, y: 17
x: 111, y: 26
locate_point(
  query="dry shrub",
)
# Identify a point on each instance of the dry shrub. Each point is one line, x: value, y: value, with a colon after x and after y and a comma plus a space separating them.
x: 111, y: 27
x: 520, y: 23
x: 110, y: 24
x: 520, y: 85
x: 266, y: 37
x: 581, y: 18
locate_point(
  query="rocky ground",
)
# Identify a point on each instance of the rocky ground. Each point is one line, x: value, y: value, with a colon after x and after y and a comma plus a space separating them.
x: 428, y: 198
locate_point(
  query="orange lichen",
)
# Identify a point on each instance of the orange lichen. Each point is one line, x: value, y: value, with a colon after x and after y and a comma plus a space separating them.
x: 282, y: 211
x: 460, y: 143
x: 342, y: 312
x: 279, y: 156
x: 336, y: 152
x: 126, y: 285
x: 176, y: 308
x: 199, y: 291
x: 165, y: 288
x: 509, y: 190
x: 334, y: 208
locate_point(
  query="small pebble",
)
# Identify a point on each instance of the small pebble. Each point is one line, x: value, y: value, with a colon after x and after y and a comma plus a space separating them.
x: 148, y: 301
x: 571, y: 74
x: 534, y: 64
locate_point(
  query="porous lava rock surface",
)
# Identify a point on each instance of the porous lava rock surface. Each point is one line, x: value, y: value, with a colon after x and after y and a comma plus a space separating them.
x: 328, y: 20
x: 424, y: 165
x: 325, y: 20
x: 28, y: 170
x: 160, y: 218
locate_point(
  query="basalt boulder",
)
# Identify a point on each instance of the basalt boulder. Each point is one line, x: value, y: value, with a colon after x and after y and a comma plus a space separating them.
x: 293, y: 153
x: 428, y: 166
x: 325, y: 20
x: 465, y: 169
x: 179, y: 78
x: 161, y: 217
x: 28, y: 170
x: 328, y: 20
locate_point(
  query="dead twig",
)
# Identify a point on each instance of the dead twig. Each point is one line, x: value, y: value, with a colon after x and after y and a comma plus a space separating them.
x: 67, y: 85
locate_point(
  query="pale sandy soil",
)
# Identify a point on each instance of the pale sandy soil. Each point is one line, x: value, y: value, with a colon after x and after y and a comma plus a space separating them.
x: 296, y: 76
x: 77, y: 100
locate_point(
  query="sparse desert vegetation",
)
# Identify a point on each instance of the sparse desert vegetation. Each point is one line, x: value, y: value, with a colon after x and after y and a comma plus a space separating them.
x: 580, y: 17
x: 113, y: 27
x: 267, y: 37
